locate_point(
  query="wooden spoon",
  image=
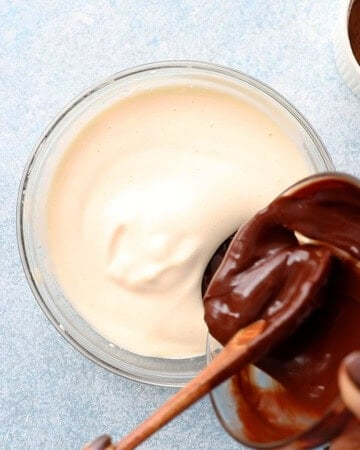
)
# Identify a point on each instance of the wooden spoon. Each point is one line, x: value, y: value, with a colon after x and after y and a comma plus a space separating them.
x: 234, y: 354
x: 247, y: 345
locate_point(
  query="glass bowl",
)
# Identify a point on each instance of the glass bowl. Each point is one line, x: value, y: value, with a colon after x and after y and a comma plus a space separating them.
x: 315, y: 433
x: 31, y: 225
x: 347, y: 65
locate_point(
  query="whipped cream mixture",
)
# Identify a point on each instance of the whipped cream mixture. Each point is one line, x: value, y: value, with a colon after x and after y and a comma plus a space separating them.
x: 143, y: 196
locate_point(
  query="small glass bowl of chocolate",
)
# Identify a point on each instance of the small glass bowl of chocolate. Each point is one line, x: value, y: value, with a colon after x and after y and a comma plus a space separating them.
x: 354, y: 29
x: 347, y: 44
x: 288, y: 398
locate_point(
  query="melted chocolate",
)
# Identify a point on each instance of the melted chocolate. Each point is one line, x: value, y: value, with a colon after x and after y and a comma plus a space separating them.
x: 265, y: 270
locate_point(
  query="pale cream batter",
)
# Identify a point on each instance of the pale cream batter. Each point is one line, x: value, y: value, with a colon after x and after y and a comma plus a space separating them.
x: 144, y: 195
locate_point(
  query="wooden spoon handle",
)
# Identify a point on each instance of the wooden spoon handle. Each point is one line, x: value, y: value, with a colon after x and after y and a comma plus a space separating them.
x: 223, y: 365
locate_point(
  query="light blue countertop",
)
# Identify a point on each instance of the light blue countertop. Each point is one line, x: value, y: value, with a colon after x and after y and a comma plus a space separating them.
x: 51, y: 396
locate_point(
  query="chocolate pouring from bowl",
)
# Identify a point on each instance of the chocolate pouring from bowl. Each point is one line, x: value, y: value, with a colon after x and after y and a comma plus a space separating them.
x: 326, y: 210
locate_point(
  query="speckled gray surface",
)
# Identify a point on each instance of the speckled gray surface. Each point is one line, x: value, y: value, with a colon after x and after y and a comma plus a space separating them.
x: 51, y: 396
